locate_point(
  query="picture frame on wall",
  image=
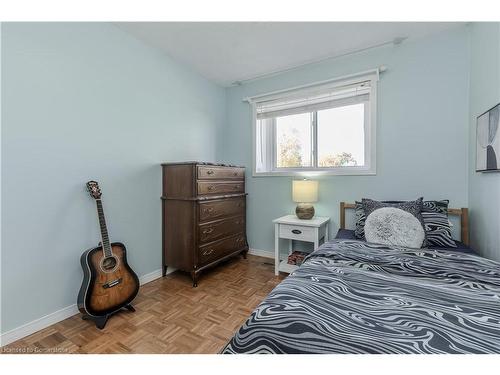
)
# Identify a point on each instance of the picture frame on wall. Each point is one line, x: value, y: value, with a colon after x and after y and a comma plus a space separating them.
x: 488, y: 140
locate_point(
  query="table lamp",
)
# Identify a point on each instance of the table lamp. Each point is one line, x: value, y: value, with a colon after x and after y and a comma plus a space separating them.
x: 305, y: 192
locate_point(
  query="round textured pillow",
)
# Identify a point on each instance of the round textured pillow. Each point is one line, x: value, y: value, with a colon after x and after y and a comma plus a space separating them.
x: 393, y: 226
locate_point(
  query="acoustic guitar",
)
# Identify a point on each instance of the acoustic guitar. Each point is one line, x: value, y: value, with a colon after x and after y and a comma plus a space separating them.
x: 109, y: 284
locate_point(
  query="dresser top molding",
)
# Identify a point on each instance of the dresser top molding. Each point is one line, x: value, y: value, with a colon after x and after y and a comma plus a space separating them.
x: 203, y: 163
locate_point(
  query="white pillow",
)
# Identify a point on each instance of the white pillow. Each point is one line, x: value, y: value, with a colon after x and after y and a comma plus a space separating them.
x: 393, y: 226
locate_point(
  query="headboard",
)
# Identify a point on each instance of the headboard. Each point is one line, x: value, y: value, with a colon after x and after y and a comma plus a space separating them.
x: 462, y: 213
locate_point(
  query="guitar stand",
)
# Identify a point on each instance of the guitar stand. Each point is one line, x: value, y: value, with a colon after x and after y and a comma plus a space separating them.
x: 100, y: 321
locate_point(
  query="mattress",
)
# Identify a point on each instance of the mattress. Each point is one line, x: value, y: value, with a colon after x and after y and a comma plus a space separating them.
x: 351, y: 296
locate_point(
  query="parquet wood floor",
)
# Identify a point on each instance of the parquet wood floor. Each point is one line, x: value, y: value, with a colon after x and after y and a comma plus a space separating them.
x: 170, y: 317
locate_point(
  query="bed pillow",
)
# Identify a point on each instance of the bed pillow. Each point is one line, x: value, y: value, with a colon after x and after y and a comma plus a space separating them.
x: 437, y: 225
x: 359, y: 231
x: 412, y: 207
x: 394, y: 226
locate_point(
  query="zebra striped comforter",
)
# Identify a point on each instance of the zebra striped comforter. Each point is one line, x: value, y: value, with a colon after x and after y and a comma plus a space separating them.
x: 355, y: 297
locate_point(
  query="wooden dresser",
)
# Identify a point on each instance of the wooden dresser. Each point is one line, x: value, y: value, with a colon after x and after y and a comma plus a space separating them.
x: 203, y: 215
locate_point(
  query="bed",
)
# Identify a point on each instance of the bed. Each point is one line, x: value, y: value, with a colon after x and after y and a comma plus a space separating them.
x: 350, y: 296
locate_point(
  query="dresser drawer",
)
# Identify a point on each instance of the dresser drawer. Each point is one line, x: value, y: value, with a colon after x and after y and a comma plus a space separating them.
x: 294, y: 232
x: 220, y: 173
x: 220, y: 248
x: 221, y: 228
x: 219, y: 187
x: 218, y: 209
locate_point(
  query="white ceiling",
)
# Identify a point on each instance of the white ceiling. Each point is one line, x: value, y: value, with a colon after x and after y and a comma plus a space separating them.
x: 227, y: 52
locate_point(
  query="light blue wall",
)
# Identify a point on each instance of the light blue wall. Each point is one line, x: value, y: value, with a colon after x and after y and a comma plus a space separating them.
x: 484, y: 188
x: 86, y: 101
x: 422, y: 134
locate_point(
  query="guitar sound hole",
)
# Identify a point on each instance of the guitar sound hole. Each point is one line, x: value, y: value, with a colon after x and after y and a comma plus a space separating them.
x: 109, y: 263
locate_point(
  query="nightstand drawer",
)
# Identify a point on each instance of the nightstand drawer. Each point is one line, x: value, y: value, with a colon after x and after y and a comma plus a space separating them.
x: 295, y: 232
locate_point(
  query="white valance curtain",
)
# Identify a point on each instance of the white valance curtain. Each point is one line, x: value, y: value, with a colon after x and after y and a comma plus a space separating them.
x: 313, y: 99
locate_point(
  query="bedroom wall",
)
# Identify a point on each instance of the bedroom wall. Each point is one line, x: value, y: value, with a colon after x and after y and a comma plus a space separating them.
x: 422, y: 131
x: 87, y: 101
x: 484, y: 188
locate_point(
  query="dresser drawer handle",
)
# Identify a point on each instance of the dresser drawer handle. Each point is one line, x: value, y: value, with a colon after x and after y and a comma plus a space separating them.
x: 296, y: 231
x: 208, y: 210
x: 210, y: 171
x: 211, y: 187
x: 236, y: 187
x: 208, y: 231
x: 207, y: 252
x: 235, y: 174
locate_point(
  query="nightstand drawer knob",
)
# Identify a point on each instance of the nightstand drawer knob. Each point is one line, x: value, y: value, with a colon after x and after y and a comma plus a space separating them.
x: 296, y: 231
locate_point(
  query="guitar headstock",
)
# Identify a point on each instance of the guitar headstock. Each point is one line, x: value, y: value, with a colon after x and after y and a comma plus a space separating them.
x: 94, y: 190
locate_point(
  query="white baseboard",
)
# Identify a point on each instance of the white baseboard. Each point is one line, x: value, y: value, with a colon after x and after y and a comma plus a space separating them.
x: 37, y: 325
x: 144, y: 279
x: 261, y: 253
x: 57, y: 316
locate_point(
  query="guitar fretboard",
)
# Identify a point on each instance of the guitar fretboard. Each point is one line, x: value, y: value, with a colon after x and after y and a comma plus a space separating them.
x: 104, y: 230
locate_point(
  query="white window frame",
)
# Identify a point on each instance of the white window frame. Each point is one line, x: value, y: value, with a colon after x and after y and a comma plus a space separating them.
x: 369, y: 167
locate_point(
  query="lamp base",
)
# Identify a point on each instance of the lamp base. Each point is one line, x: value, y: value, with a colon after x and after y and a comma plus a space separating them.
x: 304, y: 211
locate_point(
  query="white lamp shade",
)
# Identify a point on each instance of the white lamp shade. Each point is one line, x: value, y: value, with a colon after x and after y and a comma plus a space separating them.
x: 304, y: 191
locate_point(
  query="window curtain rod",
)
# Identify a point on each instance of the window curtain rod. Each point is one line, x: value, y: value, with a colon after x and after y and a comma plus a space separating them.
x: 396, y: 41
x: 376, y: 71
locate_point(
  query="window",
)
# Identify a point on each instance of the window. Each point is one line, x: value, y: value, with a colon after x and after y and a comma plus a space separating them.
x: 293, y: 141
x: 327, y: 128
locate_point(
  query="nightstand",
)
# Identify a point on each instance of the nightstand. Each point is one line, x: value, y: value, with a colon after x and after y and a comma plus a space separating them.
x: 292, y: 228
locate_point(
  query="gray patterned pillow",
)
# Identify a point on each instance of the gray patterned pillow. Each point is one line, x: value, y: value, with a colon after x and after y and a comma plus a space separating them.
x: 437, y: 225
x: 359, y: 231
x: 435, y: 215
x: 413, y: 207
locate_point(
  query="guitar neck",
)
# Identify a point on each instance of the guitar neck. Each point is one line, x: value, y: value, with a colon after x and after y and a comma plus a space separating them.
x: 104, y: 230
